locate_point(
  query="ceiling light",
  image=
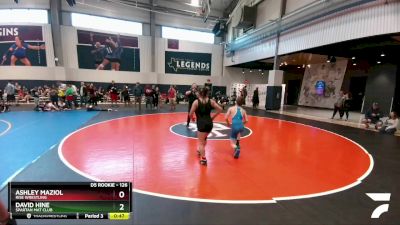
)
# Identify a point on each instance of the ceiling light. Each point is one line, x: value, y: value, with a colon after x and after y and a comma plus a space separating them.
x: 285, y: 63
x: 354, y: 64
x: 328, y: 61
x: 383, y: 54
x: 379, y: 62
x: 259, y: 70
x: 298, y: 67
x: 309, y: 66
x: 353, y: 57
x: 195, y: 3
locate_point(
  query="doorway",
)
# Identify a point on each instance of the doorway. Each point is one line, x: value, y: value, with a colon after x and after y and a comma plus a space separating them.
x: 357, y: 89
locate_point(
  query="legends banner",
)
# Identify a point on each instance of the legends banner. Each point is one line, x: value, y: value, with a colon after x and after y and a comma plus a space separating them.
x: 188, y: 63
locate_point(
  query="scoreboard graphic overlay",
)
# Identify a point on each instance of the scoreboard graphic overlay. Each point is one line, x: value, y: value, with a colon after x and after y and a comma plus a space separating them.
x: 72, y: 200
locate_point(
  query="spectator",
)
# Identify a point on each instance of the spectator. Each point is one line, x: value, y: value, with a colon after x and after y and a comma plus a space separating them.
x: 148, y: 93
x: 172, y: 97
x: 4, y: 107
x: 373, y: 116
x: 113, y: 92
x: 346, y: 105
x: 138, y: 92
x: 156, y: 97
x: 256, y: 99
x: 69, y: 96
x: 54, y: 96
x: 338, y: 106
x: 244, y: 95
x: 390, y: 125
x: 9, y: 90
x: 61, y: 93
x: 125, y: 95
x: 192, y: 96
x: 83, y: 94
x: 92, y: 94
x: 36, y: 98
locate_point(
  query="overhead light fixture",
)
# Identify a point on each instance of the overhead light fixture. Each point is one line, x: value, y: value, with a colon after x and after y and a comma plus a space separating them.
x: 195, y: 3
x: 354, y: 64
x: 309, y: 65
x: 328, y: 61
x: 285, y: 63
x: 298, y: 67
x: 379, y: 62
x: 383, y: 54
x: 71, y: 2
x: 353, y: 58
x: 259, y: 70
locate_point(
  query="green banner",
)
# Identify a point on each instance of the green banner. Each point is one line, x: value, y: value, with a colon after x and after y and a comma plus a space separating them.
x: 188, y: 63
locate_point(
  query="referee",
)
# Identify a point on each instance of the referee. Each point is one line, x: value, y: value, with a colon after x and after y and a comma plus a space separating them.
x: 192, y: 96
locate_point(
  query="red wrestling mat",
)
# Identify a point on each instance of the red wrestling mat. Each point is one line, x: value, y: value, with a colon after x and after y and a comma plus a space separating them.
x: 279, y: 160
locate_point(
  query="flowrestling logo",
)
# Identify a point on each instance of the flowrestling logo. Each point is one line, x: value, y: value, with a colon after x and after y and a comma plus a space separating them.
x: 188, y: 63
x: 220, y: 131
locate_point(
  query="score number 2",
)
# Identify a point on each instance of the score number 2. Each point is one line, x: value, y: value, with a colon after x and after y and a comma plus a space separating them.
x: 121, y: 194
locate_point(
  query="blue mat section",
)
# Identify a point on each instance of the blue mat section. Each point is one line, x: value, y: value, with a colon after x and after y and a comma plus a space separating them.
x: 32, y: 134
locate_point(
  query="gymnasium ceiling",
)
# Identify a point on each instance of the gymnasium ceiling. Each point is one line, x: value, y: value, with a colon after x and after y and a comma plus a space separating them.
x: 361, y: 53
x: 218, y: 7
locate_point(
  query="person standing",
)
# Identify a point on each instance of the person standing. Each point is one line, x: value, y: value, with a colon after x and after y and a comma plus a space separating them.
x: 54, y: 96
x: 202, y: 108
x: 92, y: 94
x: 9, y: 90
x: 238, y: 117
x: 256, y: 99
x: 113, y: 92
x: 172, y: 97
x: 156, y: 97
x: 148, y: 93
x: 125, y: 95
x: 338, y: 106
x: 138, y: 92
x: 192, y: 96
x: 83, y: 94
x: 244, y: 94
x: 346, y: 105
x: 69, y: 96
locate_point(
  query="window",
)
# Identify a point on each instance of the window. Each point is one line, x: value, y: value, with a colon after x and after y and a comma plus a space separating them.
x: 106, y: 24
x: 23, y: 16
x: 188, y: 35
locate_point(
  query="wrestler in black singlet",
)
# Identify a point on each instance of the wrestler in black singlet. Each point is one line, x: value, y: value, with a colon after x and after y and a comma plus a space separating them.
x: 203, y: 115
